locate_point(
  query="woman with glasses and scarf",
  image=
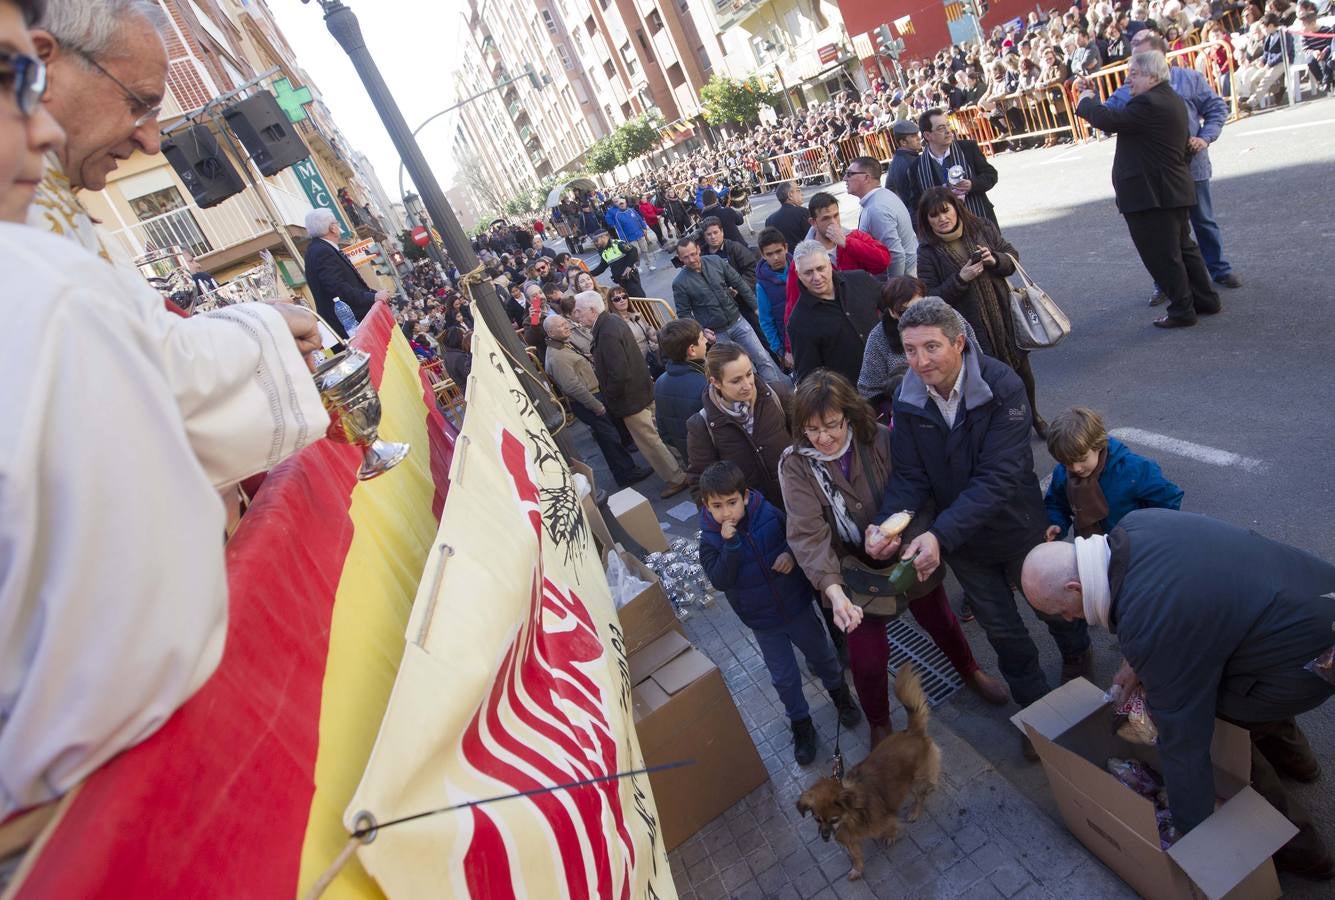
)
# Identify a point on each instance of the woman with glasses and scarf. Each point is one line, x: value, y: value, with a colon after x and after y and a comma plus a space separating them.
x: 833, y: 478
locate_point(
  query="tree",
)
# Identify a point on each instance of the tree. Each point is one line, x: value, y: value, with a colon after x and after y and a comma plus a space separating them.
x: 602, y: 156
x: 410, y: 250
x: 641, y: 135
x: 473, y: 175
x: 729, y: 100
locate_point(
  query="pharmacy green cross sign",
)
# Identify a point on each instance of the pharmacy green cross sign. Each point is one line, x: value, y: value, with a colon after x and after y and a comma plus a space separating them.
x: 292, y: 100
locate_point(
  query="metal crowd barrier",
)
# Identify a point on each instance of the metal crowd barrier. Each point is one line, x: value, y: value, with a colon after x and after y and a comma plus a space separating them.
x: 799, y: 165
x: 657, y: 312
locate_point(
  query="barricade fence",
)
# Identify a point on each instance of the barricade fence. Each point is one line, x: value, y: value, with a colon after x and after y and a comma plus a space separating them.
x: 1044, y: 113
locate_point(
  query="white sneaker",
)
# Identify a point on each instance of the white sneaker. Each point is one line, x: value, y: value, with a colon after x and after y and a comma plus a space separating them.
x: 653, y: 268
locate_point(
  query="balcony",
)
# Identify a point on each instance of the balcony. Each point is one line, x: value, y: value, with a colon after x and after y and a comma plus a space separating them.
x: 220, y: 236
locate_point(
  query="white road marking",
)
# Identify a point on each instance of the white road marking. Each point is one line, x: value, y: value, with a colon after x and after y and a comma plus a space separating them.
x: 1198, y: 452
x: 1248, y: 133
x: 1068, y: 154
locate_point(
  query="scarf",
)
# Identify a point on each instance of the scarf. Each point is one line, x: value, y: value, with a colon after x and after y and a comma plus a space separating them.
x: 1092, y: 555
x: 1088, y: 505
x: 992, y: 292
x: 848, y: 529
x: 928, y: 173
x: 743, y: 412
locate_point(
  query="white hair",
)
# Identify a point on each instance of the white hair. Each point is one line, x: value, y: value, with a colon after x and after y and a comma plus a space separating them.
x: 809, y: 248
x: 96, y: 26
x: 1151, y: 64
x: 589, y: 300
x: 319, y: 221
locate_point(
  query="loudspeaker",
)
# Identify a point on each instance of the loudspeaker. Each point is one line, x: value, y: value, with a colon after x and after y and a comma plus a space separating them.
x: 270, y: 139
x: 202, y: 167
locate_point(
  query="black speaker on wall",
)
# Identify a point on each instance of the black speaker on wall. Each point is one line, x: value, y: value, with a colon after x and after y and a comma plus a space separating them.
x: 201, y: 166
x: 269, y: 138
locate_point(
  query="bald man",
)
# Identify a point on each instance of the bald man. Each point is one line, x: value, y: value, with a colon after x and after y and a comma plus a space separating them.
x: 1214, y: 620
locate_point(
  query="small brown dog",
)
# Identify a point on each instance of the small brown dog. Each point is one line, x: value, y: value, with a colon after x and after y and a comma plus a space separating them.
x: 866, y: 803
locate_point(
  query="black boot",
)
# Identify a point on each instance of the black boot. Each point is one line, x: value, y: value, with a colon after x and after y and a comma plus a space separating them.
x: 804, y: 741
x: 849, y: 714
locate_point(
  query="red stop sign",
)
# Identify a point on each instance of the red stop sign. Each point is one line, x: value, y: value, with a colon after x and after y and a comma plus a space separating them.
x: 421, y: 237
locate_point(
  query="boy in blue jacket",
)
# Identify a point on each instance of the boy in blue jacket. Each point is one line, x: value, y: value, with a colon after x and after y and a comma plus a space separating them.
x: 744, y: 551
x: 1097, y: 479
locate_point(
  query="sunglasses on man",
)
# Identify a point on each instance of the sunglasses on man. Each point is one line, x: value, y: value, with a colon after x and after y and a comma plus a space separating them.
x: 26, y: 77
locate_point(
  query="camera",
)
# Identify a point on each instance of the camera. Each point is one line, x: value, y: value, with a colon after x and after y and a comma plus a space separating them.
x: 976, y: 256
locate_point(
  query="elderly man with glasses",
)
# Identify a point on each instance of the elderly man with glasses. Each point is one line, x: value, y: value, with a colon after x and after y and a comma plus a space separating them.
x: 107, y: 71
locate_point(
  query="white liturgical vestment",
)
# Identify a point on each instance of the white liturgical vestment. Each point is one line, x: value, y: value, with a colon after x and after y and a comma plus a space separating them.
x: 119, y: 422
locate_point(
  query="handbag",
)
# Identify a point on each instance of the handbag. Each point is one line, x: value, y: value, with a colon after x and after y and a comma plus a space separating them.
x: 1039, y: 321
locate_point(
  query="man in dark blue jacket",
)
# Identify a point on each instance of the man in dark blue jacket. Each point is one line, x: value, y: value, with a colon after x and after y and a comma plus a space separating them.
x: 744, y: 551
x: 1214, y: 621
x: 961, y: 440
x: 332, y: 276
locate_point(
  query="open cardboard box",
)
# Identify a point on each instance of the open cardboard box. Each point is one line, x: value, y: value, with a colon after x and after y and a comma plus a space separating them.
x: 649, y: 615
x: 683, y: 711
x: 1226, y: 856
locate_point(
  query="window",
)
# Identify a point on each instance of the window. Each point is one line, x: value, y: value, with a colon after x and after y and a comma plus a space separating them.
x: 626, y: 111
x: 655, y: 21
x: 590, y: 26
x: 579, y: 44
x: 644, y: 44
x: 611, y: 116
x: 628, y: 56
x: 549, y: 22
x: 562, y: 52
x: 608, y: 69
x: 675, y: 76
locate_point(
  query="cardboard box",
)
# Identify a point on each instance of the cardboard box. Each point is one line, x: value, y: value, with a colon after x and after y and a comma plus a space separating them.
x: 649, y: 615
x: 683, y: 711
x: 635, y: 514
x: 1227, y: 855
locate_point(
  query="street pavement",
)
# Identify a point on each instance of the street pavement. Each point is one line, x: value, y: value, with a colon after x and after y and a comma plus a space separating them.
x: 1237, y: 411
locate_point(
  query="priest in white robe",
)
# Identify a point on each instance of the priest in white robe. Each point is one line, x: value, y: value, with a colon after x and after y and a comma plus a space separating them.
x: 121, y: 421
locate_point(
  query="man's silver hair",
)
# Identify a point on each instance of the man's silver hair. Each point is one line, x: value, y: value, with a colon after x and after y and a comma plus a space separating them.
x: 318, y: 222
x: 96, y: 26
x: 1151, y: 64
x: 590, y: 300
x: 933, y: 312
x: 808, y: 248
x: 549, y: 324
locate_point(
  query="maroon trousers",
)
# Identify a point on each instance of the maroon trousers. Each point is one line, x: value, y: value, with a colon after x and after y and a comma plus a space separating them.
x: 869, y: 651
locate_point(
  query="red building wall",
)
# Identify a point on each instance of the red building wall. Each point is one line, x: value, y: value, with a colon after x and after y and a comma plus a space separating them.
x: 930, y: 31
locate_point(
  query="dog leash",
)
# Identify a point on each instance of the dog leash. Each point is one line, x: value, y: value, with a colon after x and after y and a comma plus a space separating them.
x: 838, y: 760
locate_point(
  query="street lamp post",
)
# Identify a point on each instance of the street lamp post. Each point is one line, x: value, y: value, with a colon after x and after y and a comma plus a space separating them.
x: 342, y: 24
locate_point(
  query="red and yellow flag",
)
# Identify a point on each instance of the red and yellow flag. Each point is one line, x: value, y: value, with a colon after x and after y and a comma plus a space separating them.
x: 241, y: 792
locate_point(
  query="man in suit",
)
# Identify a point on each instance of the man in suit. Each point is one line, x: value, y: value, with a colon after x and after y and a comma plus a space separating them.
x: 943, y: 152
x: 332, y: 275
x: 1153, y: 184
x: 791, y: 216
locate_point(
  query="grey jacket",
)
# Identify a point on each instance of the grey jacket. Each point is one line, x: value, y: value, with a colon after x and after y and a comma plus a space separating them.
x: 704, y: 296
x: 1215, y: 620
x: 885, y: 217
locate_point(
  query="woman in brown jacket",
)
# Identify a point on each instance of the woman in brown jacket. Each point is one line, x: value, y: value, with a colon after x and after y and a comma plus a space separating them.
x: 742, y: 419
x: 832, y: 479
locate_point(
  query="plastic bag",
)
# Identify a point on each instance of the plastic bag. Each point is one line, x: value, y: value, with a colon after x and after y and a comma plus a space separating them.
x: 1139, y: 727
x: 1323, y: 666
x: 1136, y: 775
x: 624, y: 584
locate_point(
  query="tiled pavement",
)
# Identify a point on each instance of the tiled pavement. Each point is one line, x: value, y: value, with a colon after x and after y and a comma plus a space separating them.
x: 979, y: 838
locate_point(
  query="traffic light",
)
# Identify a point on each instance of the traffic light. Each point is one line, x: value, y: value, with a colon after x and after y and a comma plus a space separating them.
x: 982, y: 8
x: 378, y: 260
x: 881, y: 40
x: 396, y: 258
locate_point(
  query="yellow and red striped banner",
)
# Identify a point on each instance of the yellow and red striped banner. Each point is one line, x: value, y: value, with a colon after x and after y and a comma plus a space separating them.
x: 241, y: 792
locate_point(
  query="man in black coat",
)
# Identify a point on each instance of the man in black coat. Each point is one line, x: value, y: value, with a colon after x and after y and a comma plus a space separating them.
x: 332, y: 276
x: 835, y: 312
x: 1153, y: 184
x: 729, y: 218
x: 961, y: 441
x: 908, y: 147
x: 1214, y: 621
x: 944, y: 152
x: 791, y: 216
x: 628, y: 391
x: 741, y: 257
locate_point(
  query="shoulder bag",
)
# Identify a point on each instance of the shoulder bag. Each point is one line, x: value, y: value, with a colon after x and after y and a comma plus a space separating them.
x: 1039, y: 321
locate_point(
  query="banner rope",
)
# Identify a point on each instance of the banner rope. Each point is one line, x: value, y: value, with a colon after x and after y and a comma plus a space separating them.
x: 367, y: 833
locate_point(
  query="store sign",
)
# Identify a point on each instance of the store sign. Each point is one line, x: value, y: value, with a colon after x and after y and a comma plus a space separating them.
x: 829, y: 53
x: 318, y: 192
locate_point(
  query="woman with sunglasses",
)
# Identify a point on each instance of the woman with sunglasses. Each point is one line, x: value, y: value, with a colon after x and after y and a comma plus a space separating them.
x: 29, y: 131
x: 833, y: 478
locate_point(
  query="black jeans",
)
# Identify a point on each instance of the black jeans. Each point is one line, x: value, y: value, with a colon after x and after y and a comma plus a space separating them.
x: 988, y: 586
x: 604, y: 430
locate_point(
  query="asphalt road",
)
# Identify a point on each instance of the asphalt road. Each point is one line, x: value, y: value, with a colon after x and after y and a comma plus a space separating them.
x: 1250, y: 391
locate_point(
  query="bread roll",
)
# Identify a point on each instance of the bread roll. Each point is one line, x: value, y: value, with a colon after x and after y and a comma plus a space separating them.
x: 895, y: 525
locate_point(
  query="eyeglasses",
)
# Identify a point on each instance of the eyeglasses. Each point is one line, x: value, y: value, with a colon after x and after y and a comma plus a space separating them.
x: 29, y: 79
x: 146, y: 112
x: 827, y: 429
x: 851, y: 172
